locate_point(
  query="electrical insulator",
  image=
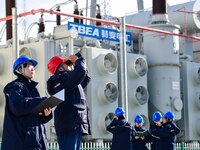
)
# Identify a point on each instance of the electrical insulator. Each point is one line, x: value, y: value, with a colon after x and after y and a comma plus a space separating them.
x: 58, y: 18
x: 41, y: 25
x: 81, y: 20
x: 76, y: 12
x: 98, y: 16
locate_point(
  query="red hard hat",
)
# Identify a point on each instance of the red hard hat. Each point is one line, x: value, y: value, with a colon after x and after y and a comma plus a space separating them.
x: 54, y: 62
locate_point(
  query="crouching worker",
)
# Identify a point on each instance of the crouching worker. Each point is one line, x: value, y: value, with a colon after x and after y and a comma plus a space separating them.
x: 167, y: 133
x: 22, y: 129
x: 121, y: 130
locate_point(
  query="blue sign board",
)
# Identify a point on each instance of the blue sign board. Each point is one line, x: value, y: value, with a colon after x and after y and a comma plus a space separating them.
x: 98, y: 32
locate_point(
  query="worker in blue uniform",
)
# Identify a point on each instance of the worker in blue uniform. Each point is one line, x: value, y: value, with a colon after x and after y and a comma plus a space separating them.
x: 71, y: 116
x: 121, y: 130
x: 142, y: 136
x: 156, y: 124
x: 167, y: 133
x: 23, y: 129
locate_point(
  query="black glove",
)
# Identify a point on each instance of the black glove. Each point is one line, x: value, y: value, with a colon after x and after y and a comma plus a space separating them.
x: 78, y: 55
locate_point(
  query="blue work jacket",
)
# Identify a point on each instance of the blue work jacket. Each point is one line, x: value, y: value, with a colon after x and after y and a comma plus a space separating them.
x: 122, y: 134
x: 71, y: 116
x: 139, y: 144
x: 154, y: 139
x: 167, y: 136
x: 22, y: 129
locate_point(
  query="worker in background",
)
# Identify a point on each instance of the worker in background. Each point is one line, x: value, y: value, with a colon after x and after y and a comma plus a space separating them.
x: 141, y: 137
x: 121, y: 130
x: 71, y: 116
x: 167, y: 133
x: 156, y: 124
x: 22, y: 129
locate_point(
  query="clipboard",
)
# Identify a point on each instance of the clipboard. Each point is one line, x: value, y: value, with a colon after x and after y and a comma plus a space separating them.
x: 51, y: 101
x: 142, y: 134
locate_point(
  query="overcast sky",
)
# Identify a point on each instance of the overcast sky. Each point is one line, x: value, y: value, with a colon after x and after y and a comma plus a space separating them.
x: 126, y: 6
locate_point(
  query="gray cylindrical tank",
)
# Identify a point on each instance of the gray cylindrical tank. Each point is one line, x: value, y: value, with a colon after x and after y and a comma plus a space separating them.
x: 162, y: 53
x: 189, y: 20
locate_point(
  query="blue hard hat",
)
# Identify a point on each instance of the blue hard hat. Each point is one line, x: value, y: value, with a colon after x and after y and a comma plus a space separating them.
x: 156, y: 116
x: 119, y: 111
x: 169, y: 115
x: 21, y: 60
x: 139, y: 119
